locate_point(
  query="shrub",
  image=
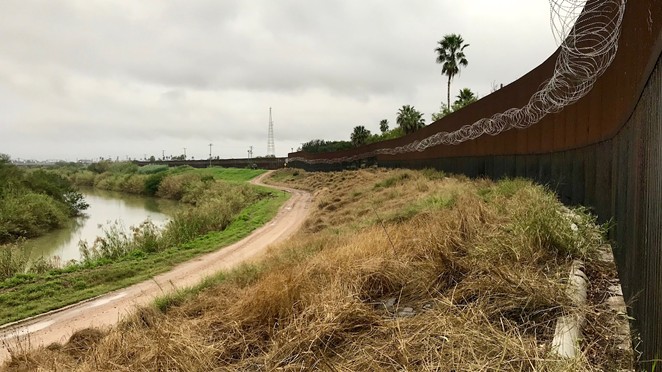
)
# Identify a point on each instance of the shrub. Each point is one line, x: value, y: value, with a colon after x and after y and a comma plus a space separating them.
x: 35, y: 201
x: 57, y: 187
x: 153, y: 182
x: 216, y: 205
x: 123, y: 167
x: 134, y: 184
x: 174, y: 186
x: 83, y: 178
x: 100, y: 167
x: 10, y: 175
x: 30, y: 215
x: 114, y: 243
x: 13, y: 260
x: 105, y: 181
x: 147, y: 237
x: 152, y: 169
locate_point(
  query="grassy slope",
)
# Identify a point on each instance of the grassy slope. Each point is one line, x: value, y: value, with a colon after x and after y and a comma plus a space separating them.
x: 230, y: 174
x: 31, y: 294
x: 394, y: 270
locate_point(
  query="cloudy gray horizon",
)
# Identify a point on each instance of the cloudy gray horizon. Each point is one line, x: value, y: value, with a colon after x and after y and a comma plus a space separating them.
x: 83, y: 79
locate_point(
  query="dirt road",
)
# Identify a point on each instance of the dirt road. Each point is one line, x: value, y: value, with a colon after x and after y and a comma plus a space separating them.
x: 106, y: 310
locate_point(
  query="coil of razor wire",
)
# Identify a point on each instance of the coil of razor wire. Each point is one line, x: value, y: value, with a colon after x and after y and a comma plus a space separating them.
x: 589, y: 32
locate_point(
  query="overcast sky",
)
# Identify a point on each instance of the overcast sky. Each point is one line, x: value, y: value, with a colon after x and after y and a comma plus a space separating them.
x: 117, y: 78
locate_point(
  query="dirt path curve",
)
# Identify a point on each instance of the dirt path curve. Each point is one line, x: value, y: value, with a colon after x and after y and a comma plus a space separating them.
x: 108, y: 309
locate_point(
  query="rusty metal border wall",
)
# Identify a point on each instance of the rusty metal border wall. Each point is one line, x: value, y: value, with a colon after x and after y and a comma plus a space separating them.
x: 261, y: 163
x: 604, y: 152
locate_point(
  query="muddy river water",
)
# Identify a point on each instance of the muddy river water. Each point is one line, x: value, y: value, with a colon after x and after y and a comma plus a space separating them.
x: 106, y: 208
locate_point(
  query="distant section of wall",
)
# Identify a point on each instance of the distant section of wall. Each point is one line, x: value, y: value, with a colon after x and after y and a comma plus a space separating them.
x: 604, y: 152
x: 261, y: 163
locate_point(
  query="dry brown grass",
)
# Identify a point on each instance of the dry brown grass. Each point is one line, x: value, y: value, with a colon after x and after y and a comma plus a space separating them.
x: 463, y: 275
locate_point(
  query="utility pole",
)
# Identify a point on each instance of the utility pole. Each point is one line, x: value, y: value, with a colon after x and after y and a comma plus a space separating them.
x: 271, y: 152
x: 184, y: 153
x: 162, y: 154
x: 210, y: 145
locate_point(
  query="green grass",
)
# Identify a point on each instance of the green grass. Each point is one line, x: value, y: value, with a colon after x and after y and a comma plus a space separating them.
x: 393, y: 181
x: 287, y: 175
x: 229, y: 174
x: 429, y: 204
x: 27, y: 295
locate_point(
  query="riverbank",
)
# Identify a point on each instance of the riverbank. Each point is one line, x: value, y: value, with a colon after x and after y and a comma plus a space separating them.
x: 393, y: 270
x: 107, y: 209
x: 223, y: 212
x: 32, y: 203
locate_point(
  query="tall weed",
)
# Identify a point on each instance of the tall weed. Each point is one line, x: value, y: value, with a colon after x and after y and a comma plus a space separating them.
x: 114, y: 243
x: 13, y: 260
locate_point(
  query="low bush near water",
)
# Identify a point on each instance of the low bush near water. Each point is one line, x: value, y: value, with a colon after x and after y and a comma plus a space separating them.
x: 16, y: 260
x: 152, y: 168
x: 213, y: 209
x: 33, y: 202
x: 13, y: 260
x: 83, y: 178
x: 175, y: 186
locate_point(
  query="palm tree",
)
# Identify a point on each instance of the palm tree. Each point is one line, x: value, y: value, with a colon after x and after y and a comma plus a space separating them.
x: 360, y: 136
x: 409, y: 119
x: 450, y: 54
x: 383, y: 126
x: 465, y: 97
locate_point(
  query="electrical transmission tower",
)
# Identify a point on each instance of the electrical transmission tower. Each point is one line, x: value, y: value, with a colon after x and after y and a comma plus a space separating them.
x: 271, y: 151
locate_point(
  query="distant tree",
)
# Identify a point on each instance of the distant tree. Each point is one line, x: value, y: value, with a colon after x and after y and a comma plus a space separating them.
x: 389, y: 134
x: 360, y: 136
x: 10, y: 175
x: 152, y: 159
x: 57, y: 187
x: 443, y: 111
x: 465, y: 98
x: 383, y: 126
x: 99, y: 167
x: 450, y: 54
x: 409, y: 119
x: 318, y: 145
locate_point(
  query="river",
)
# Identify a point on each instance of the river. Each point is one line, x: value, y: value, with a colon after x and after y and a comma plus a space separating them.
x: 106, y: 207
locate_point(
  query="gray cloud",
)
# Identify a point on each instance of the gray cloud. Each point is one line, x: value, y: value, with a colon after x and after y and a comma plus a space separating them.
x: 132, y: 77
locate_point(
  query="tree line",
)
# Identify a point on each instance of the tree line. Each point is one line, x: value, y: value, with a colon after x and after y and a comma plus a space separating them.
x: 450, y: 54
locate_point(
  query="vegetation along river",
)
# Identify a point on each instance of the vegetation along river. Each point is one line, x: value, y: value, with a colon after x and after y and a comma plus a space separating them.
x: 107, y: 208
